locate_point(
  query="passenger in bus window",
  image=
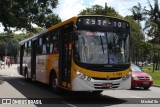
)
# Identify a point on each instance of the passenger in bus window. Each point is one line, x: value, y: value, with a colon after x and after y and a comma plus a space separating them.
x: 44, y: 49
x: 39, y: 49
x: 55, y: 49
x: 51, y: 48
x: 47, y: 45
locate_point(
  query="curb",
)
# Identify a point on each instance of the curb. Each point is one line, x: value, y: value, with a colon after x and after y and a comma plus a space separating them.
x: 156, y: 85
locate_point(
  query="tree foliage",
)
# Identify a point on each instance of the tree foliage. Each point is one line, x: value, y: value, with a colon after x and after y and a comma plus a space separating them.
x: 100, y: 10
x: 23, y: 13
x: 136, y: 38
x: 9, y: 45
x: 152, y: 28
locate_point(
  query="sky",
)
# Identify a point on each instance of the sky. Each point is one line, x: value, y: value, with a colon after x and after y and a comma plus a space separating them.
x: 69, y: 8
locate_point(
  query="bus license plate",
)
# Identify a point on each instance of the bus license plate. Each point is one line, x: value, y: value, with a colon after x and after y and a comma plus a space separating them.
x: 108, y: 85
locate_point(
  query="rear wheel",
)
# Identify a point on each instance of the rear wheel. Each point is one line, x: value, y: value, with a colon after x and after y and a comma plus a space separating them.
x: 26, y: 74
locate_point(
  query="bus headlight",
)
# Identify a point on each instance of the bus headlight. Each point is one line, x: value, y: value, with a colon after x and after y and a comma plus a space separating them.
x: 77, y: 72
x: 126, y: 77
x: 81, y: 75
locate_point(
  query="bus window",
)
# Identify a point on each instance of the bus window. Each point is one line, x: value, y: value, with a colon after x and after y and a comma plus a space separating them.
x: 29, y: 48
x: 25, y: 49
x: 55, y: 48
x: 51, y: 47
x: 47, y: 42
x: 39, y: 46
x: 54, y: 43
x: 44, y: 49
x: 43, y: 46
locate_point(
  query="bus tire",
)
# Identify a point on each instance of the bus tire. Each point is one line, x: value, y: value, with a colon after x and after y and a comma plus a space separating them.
x: 53, y: 83
x: 97, y: 92
x: 26, y: 74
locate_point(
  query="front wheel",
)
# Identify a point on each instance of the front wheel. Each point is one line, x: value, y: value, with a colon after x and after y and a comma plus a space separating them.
x: 97, y: 92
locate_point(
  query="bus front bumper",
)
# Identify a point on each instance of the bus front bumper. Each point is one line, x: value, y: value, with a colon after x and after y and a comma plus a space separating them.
x: 79, y: 84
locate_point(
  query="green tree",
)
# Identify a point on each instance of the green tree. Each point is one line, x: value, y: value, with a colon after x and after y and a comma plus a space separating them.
x: 152, y: 27
x: 9, y: 45
x: 136, y: 37
x: 99, y: 10
x: 138, y: 13
x: 23, y: 13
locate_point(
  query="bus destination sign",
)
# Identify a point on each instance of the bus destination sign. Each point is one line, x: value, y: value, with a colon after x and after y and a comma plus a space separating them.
x: 103, y: 22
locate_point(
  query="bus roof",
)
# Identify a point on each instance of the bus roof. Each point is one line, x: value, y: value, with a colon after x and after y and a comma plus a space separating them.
x: 73, y: 19
x: 49, y: 29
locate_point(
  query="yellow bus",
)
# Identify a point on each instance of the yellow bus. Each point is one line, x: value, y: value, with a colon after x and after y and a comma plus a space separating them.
x: 83, y: 53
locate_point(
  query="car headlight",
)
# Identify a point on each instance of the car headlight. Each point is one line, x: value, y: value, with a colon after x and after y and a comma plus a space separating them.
x: 150, y: 78
x: 134, y: 77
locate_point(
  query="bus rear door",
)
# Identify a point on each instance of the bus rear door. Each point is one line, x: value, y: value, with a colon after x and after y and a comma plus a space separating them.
x: 33, y: 60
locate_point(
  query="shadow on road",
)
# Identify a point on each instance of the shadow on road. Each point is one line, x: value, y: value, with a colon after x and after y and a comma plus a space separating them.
x: 41, y: 91
x: 140, y: 89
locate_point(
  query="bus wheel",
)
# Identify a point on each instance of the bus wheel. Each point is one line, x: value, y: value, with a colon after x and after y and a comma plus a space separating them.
x: 26, y: 74
x: 97, y: 92
x: 53, y: 84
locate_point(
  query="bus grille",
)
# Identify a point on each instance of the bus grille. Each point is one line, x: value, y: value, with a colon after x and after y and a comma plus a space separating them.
x: 95, y: 78
x: 100, y: 86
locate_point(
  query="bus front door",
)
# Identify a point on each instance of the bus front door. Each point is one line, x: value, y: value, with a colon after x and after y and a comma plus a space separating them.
x: 65, y: 62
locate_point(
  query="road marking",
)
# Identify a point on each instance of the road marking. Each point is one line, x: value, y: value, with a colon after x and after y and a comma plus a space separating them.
x: 135, y: 97
x: 68, y: 104
x: 21, y: 82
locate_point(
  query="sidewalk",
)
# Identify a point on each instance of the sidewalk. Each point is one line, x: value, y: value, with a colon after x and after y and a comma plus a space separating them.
x: 9, y: 72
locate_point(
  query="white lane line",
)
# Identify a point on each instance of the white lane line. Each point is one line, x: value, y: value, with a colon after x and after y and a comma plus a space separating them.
x: 135, y: 97
x: 68, y: 104
x: 21, y: 82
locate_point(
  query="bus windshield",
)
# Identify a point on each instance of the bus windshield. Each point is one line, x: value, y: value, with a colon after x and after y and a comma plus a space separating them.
x: 101, y: 48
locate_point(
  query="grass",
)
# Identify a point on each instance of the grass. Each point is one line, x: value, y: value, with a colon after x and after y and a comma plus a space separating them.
x: 155, y: 75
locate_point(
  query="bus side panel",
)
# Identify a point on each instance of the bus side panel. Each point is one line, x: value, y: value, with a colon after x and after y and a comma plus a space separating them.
x: 52, y: 64
x: 41, y: 68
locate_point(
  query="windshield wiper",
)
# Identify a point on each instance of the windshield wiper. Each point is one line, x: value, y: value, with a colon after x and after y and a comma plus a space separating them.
x: 102, y: 44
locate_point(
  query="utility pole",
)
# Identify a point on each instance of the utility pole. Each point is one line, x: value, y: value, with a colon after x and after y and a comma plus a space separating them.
x: 105, y: 8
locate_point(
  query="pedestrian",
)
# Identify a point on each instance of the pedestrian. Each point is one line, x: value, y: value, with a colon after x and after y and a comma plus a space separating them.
x: 3, y: 64
x: 9, y: 62
x: 5, y: 60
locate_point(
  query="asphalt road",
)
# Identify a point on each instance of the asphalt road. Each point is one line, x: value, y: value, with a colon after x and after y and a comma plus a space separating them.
x: 12, y: 85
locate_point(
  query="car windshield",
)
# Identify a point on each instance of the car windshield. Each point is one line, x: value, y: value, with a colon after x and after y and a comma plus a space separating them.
x: 101, y: 48
x: 135, y: 68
